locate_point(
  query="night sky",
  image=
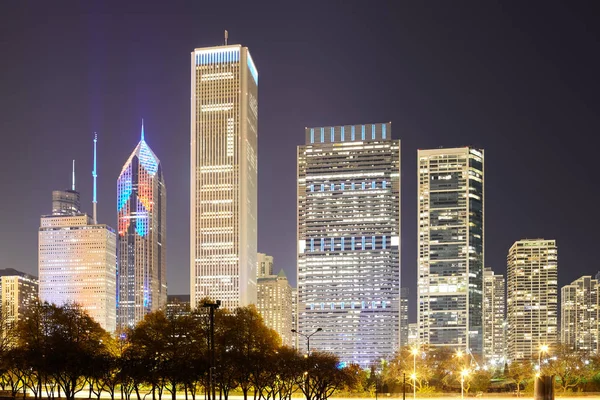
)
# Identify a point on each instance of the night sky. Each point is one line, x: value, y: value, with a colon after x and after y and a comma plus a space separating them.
x: 518, y: 80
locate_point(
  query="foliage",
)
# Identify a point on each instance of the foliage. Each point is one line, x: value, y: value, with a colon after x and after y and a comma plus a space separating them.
x: 519, y: 371
x: 568, y: 366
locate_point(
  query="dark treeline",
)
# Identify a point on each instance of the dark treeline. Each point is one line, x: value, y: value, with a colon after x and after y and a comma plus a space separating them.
x: 61, y: 351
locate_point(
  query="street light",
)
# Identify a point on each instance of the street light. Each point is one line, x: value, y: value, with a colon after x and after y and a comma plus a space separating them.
x: 212, y: 307
x: 543, y: 349
x: 463, y: 374
x: 307, y: 338
x: 414, y: 351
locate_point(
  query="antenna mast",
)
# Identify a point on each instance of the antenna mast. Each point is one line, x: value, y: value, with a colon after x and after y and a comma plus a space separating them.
x: 226, y: 36
x: 73, y: 181
x: 95, y: 175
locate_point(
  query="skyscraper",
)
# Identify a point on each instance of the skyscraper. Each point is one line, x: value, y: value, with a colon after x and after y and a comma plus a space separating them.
x: 580, y: 309
x: 274, y: 303
x: 531, y: 297
x: 295, y: 316
x: 404, y: 316
x: 493, y: 317
x: 451, y: 252
x: 18, y: 292
x: 349, y: 241
x: 264, y: 265
x: 224, y: 121
x: 141, y: 214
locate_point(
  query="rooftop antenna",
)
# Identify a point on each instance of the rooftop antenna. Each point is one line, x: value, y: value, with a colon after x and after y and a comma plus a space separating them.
x: 142, y: 129
x: 226, y: 36
x: 73, y: 181
x: 95, y: 175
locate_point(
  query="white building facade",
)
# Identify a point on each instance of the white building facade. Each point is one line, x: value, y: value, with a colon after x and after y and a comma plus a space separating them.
x: 18, y: 294
x: 274, y: 303
x: 494, y: 306
x: 580, y: 309
x: 223, y: 223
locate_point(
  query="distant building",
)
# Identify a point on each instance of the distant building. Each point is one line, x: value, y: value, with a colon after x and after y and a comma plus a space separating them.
x: 532, y: 297
x: 295, y: 316
x: 264, y: 265
x: 349, y: 241
x: 580, y: 309
x: 142, y: 222
x: 493, y: 317
x: 18, y: 293
x: 404, y: 316
x: 223, y: 175
x: 274, y: 303
x: 77, y: 260
x: 413, y: 334
x: 451, y: 252
x: 178, y: 305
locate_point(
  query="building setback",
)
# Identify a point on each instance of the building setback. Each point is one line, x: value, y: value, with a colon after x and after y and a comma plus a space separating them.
x: 494, y: 306
x: 223, y: 224
x: 141, y: 215
x: 77, y: 264
x: 580, y: 308
x: 349, y: 242
x: 18, y: 293
x: 451, y: 248
x: 274, y: 303
x: 532, y: 297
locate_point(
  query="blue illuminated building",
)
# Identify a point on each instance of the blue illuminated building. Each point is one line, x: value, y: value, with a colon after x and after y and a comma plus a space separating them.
x: 141, y: 209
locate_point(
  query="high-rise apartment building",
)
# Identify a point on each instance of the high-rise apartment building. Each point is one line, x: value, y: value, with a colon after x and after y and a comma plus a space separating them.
x: 580, y: 309
x: 274, y: 303
x: 349, y: 241
x: 224, y: 121
x: 493, y: 317
x: 532, y: 297
x: 413, y: 334
x: 295, y: 316
x: 451, y: 248
x: 264, y: 265
x: 18, y: 292
x: 77, y: 264
x: 142, y: 215
x: 404, y: 316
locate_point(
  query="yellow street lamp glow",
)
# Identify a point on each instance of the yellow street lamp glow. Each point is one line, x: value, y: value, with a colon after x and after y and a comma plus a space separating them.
x: 544, y: 348
x: 413, y: 376
x: 464, y: 372
x: 414, y: 351
x: 459, y: 353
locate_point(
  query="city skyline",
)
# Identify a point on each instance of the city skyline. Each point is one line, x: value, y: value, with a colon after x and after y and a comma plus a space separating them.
x: 512, y: 124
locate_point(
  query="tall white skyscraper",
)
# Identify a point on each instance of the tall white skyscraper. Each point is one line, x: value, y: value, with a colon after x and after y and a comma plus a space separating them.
x: 142, y: 222
x: 532, y: 297
x: 451, y: 248
x: 349, y: 242
x: 494, y: 306
x: 223, y: 214
x: 580, y: 310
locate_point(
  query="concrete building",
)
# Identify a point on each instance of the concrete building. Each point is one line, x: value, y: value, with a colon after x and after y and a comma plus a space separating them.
x: 580, y: 309
x: 142, y: 222
x: 532, y: 297
x: 413, y: 334
x: 349, y: 241
x: 223, y: 215
x: 264, y: 265
x: 451, y: 248
x: 274, y: 303
x: 494, y: 307
x: 18, y: 293
x: 404, y: 316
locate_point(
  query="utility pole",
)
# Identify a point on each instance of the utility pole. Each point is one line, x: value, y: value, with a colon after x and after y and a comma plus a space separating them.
x: 212, y: 307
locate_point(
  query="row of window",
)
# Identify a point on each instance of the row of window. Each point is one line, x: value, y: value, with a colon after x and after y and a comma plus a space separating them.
x: 340, y: 243
x: 363, y: 134
x: 352, y: 186
x: 351, y: 304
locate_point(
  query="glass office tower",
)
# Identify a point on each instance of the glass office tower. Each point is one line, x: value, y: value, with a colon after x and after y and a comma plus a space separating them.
x: 224, y: 121
x: 349, y: 242
x: 451, y: 252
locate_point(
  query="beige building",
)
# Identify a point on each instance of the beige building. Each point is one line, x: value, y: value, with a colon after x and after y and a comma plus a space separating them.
x: 274, y: 303
x: 18, y: 292
x: 295, y: 316
x: 532, y: 297
x: 77, y: 264
x: 580, y: 308
x: 264, y: 265
x: 223, y: 204
x: 494, y: 306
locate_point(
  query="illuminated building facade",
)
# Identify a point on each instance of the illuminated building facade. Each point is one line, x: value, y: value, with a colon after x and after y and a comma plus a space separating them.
x: 18, y: 292
x: 77, y: 264
x: 404, y: 316
x: 274, y: 303
x: 178, y: 305
x: 451, y: 252
x: 349, y: 241
x: 580, y: 309
x: 294, y: 311
x: 223, y: 224
x: 532, y: 297
x: 141, y: 213
x: 264, y: 265
x: 494, y: 306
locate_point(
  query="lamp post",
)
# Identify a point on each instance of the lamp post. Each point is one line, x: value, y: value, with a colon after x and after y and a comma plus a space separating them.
x: 307, y: 338
x: 414, y: 351
x: 543, y: 349
x: 212, y: 307
x: 463, y: 374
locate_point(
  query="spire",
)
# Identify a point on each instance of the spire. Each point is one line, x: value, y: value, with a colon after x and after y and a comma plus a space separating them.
x: 73, y: 181
x: 95, y: 175
x: 142, y: 130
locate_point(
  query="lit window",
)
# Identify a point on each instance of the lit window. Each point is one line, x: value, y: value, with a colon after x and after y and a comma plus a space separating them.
x: 332, y: 135
x: 312, y: 135
x: 373, y: 185
x: 342, y: 134
x: 383, y: 133
x: 342, y: 186
x: 373, y: 242
x: 373, y: 131
x: 322, y: 135
x: 384, y: 184
x: 363, y: 133
x: 352, y: 133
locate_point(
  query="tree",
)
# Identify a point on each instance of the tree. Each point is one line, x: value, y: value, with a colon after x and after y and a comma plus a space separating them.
x: 404, y: 362
x: 520, y: 371
x: 323, y: 376
x: 568, y: 366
